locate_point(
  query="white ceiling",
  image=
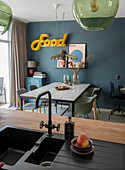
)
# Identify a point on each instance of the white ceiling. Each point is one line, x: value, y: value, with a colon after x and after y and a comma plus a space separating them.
x: 43, y: 10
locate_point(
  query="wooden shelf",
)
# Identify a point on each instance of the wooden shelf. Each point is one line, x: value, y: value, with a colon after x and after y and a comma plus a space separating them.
x: 66, y: 68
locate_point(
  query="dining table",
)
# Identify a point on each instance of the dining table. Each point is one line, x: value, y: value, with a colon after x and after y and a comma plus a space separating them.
x: 70, y: 95
x: 122, y: 90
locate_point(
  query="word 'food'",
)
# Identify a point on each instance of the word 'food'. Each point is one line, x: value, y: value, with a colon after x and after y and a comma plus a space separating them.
x: 37, y: 44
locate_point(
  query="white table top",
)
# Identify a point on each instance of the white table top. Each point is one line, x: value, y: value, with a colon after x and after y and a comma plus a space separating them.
x: 63, y: 95
x: 122, y: 90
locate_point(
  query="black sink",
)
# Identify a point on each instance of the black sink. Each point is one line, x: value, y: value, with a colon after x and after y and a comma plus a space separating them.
x: 25, y: 149
x: 46, y: 152
x: 15, y: 142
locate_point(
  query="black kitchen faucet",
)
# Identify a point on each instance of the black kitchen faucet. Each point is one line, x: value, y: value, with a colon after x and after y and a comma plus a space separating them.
x: 50, y: 126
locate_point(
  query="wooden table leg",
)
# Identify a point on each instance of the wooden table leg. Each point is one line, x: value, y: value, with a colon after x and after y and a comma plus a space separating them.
x: 94, y: 109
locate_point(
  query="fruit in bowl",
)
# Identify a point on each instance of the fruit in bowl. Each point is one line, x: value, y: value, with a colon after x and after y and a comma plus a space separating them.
x: 83, y: 141
x: 62, y: 88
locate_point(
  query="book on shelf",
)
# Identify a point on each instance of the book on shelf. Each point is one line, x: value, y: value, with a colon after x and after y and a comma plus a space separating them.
x: 39, y: 76
x: 38, y: 73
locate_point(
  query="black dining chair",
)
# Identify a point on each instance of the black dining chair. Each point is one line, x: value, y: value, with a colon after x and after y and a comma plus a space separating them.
x: 119, y: 97
x: 26, y: 106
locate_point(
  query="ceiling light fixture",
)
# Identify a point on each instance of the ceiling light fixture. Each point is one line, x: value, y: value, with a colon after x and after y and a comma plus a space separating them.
x: 94, y: 15
x: 56, y: 6
x: 5, y: 17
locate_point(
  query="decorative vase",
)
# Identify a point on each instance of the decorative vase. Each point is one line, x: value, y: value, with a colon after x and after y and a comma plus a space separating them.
x: 76, y: 79
x: 31, y: 71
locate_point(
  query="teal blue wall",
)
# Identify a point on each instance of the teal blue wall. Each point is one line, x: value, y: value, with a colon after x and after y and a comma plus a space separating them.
x: 108, y: 47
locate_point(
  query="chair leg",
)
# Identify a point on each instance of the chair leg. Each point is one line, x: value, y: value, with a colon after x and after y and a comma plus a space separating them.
x: 111, y: 113
x: 23, y: 103
x: 17, y: 103
x: 44, y: 110
x: 32, y: 110
x: 5, y: 94
x: 94, y: 109
x: 77, y: 115
x: 109, y: 117
x: 86, y: 116
x: 123, y: 112
x: 40, y: 109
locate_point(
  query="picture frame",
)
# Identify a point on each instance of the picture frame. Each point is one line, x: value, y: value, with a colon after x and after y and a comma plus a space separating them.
x: 80, y: 51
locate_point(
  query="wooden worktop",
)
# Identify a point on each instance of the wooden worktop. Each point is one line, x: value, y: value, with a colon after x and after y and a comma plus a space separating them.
x: 108, y: 131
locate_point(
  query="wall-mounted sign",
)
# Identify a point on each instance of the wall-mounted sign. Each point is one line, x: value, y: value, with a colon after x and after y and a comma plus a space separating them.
x: 37, y: 44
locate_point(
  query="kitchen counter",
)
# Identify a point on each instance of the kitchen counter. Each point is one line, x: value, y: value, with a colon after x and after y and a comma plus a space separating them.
x: 102, y: 130
x: 105, y: 156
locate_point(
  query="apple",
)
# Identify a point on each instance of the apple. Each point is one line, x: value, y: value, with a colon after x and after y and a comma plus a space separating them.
x: 83, y: 141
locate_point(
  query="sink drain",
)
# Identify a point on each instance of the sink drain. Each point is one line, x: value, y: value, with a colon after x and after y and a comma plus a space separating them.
x: 46, y: 164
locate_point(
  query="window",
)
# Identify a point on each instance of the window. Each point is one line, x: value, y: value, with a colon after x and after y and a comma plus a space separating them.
x: 5, y: 63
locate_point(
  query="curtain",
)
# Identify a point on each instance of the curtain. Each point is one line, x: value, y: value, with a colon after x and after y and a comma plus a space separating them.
x: 18, y: 58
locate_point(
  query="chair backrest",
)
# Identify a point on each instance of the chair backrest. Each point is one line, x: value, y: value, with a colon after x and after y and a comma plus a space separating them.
x: 19, y: 92
x: 88, y: 92
x: 112, y: 89
x: 1, y: 82
x: 97, y: 91
x: 33, y: 87
x: 85, y: 105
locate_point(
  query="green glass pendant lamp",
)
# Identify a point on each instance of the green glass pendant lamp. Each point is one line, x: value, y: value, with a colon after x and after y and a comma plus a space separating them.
x: 94, y: 15
x: 5, y: 17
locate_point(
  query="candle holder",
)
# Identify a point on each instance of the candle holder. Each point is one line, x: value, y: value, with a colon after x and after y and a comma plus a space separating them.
x: 70, y: 84
x: 65, y: 79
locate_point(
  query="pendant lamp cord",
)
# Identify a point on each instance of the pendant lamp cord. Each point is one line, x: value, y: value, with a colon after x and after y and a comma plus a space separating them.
x: 63, y: 23
x: 56, y: 23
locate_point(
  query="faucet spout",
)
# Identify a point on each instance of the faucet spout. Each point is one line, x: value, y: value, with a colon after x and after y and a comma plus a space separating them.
x: 50, y: 126
x: 49, y: 103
